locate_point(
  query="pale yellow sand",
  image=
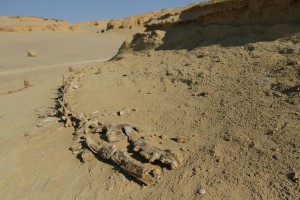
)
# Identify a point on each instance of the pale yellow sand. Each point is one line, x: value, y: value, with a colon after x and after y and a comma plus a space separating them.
x: 231, y: 88
x: 28, y: 170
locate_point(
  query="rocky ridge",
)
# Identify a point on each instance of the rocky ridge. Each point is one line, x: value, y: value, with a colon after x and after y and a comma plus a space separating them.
x: 28, y: 24
x: 189, y: 26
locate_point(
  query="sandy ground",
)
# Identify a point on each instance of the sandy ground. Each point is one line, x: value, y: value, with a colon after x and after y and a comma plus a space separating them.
x: 236, y: 105
x: 57, y: 47
x: 234, y: 100
x: 27, y: 165
x: 239, y: 109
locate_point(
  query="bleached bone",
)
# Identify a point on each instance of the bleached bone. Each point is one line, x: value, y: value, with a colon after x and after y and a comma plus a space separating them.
x: 88, y: 129
x: 122, y: 159
x: 114, y: 133
x: 152, y: 153
x: 134, y: 168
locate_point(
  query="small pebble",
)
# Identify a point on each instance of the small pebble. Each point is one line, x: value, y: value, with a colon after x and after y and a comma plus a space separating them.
x: 196, y: 169
x: 163, y: 137
x: 124, y: 111
x: 216, y: 59
x: 31, y: 53
x: 295, y: 176
x: 182, y: 139
x: 201, y: 191
x: 26, y: 134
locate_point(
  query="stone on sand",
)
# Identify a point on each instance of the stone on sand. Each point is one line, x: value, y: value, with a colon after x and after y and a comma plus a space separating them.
x: 87, y: 155
x: 32, y: 53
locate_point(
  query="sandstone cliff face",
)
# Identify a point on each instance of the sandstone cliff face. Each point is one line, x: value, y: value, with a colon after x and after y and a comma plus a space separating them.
x: 136, y: 20
x: 233, y: 12
x: 27, y: 23
x: 131, y: 21
x: 127, y: 22
x: 24, y: 24
x: 212, y: 21
x: 142, y: 19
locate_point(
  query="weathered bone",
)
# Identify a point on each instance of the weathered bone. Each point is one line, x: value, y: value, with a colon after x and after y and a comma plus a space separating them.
x: 94, y: 145
x: 153, y: 153
x: 114, y: 133
x: 121, y: 158
x: 87, y: 132
x: 132, y: 134
x: 133, y: 168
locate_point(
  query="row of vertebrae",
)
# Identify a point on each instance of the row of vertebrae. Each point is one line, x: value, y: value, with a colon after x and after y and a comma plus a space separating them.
x: 107, y: 141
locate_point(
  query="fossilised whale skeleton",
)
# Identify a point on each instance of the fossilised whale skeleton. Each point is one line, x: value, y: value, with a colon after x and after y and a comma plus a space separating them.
x: 89, y: 129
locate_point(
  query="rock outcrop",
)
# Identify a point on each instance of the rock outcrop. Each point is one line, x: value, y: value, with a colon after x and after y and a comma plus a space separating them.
x: 189, y: 26
x: 231, y: 12
x: 142, y: 19
x: 27, y: 24
x: 136, y: 20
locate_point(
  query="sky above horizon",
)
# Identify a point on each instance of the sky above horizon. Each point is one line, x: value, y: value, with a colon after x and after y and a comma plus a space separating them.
x: 76, y: 10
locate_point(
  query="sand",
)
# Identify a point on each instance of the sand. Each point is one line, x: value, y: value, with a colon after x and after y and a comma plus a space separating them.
x: 223, y: 96
x: 23, y: 165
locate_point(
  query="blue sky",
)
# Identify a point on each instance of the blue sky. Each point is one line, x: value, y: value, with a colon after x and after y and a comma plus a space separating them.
x: 78, y: 10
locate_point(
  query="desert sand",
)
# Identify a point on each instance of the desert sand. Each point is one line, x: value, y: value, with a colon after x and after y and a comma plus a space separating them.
x: 215, y: 86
